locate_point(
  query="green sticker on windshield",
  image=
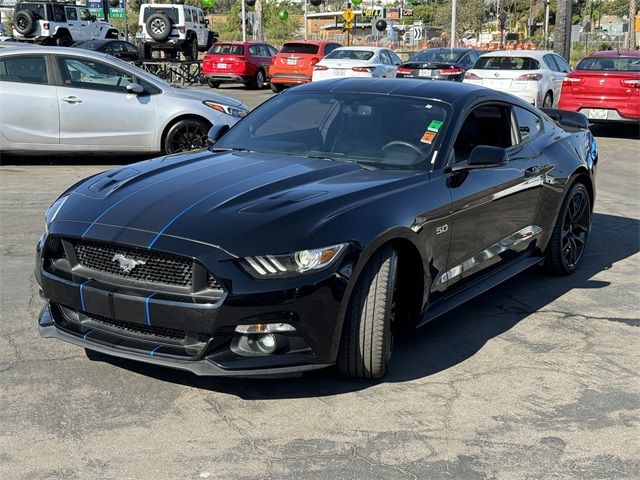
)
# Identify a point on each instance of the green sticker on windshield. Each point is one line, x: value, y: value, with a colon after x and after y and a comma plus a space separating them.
x: 434, y: 126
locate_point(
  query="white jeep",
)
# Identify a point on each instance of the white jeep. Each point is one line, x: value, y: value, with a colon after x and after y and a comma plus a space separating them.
x: 173, y: 28
x: 58, y: 23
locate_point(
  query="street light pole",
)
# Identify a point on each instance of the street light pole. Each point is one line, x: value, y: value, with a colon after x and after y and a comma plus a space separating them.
x: 305, y: 18
x: 546, y: 24
x: 244, y: 22
x: 453, y: 23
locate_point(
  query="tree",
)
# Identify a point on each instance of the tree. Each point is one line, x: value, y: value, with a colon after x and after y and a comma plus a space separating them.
x: 631, y: 36
x: 561, y: 39
x: 469, y: 15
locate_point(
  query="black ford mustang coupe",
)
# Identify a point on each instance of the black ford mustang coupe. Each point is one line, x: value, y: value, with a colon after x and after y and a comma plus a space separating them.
x: 313, y: 227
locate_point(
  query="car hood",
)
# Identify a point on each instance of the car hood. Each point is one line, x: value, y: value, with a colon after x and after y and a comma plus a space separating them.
x: 247, y: 203
x: 202, y: 95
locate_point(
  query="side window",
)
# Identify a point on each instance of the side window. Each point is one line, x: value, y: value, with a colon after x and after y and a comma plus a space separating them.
x: 31, y: 69
x: 564, y: 66
x: 273, y: 51
x: 58, y: 14
x: 116, y: 46
x: 187, y: 15
x: 488, y: 125
x: 85, y: 14
x: 395, y: 59
x: 81, y: 73
x: 72, y: 14
x: 254, y: 51
x: 384, y: 57
x: 550, y: 63
x: 529, y: 124
x: 200, y: 17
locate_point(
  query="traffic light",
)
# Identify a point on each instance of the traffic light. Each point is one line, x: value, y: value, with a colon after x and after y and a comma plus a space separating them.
x: 249, y: 3
x: 316, y: 3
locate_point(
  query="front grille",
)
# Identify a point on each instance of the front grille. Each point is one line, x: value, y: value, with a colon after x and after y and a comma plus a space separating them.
x: 158, y: 267
x: 212, y: 283
x: 163, y: 332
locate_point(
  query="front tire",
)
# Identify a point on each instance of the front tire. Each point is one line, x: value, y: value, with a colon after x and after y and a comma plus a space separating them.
x: 185, y: 135
x: 367, y: 337
x: 64, y: 40
x: 569, y: 238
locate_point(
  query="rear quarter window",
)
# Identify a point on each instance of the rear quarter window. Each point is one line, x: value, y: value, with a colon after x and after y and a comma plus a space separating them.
x: 170, y: 12
x: 29, y: 69
x: 37, y: 9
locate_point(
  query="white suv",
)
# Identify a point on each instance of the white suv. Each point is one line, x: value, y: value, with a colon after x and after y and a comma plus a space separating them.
x: 172, y: 28
x: 58, y: 23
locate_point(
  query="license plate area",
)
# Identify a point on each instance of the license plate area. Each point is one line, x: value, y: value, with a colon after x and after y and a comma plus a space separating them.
x: 292, y: 61
x: 222, y: 65
x: 339, y: 72
x: 598, y: 114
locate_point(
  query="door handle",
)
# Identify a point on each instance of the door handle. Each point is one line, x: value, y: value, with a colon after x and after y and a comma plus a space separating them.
x: 532, y: 171
x: 71, y: 99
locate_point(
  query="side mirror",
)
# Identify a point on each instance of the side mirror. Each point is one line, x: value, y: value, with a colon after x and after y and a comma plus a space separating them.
x: 216, y: 132
x: 93, y: 18
x: 483, y: 156
x: 135, y: 88
x: 206, y: 22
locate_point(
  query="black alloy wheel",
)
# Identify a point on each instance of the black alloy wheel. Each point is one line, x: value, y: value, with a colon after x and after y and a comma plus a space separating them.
x: 185, y: 135
x: 569, y: 238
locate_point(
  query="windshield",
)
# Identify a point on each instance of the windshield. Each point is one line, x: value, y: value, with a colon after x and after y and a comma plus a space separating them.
x: 375, y: 130
x: 339, y: 54
x: 299, y: 48
x: 507, y: 63
x: 436, y: 56
x: 620, y: 64
x: 226, y: 49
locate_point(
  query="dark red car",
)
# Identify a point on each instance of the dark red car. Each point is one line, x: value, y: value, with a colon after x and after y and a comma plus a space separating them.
x: 605, y: 86
x: 238, y: 62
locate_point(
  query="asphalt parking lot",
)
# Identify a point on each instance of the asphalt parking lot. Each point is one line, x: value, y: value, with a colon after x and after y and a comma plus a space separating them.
x: 536, y: 379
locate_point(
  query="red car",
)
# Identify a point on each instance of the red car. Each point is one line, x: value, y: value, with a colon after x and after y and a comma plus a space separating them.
x: 605, y: 86
x: 238, y: 62
x: 293, y: 65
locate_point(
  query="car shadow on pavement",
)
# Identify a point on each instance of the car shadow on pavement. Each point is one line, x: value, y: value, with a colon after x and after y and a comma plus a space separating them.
x: 448, y: 340
x: 613, y: 130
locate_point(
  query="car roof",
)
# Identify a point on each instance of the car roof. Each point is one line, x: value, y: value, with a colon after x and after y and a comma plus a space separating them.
x: 444, y: 49
x: 362, y: 47
x: 443, y: 91
x: 39, y: 49
x: 237, y: 42
x: 616, y: 53
x: 518, y: 53
x: 311, y: 42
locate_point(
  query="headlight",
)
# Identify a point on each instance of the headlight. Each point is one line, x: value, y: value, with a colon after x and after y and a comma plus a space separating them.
x: 292, y: 264
x: 52, y: 213
x: 233, y: 111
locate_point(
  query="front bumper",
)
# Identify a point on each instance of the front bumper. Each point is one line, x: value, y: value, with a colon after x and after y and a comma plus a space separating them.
x: 193, y: 333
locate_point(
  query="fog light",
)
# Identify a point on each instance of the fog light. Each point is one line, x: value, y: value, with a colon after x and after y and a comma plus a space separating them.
x: 267, y: 343
x: 265, y: 328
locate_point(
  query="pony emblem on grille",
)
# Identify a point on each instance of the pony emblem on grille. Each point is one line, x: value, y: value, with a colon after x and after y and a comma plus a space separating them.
x: 127, y: 264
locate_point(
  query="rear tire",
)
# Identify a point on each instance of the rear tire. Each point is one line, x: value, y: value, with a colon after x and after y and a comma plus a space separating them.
x: 158, y: 26
x: 258, y: 82
x: 64, y: 40
x: 367, y: 336
x: 276, y: 88
x: 144, y: 52
x: 569, y: 238
x: 25, y: 22
x: 213, y: 83
x: 190, y: 49
x: 548, y: 100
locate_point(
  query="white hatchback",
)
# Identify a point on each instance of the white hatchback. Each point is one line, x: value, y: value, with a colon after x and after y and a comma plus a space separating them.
x: 372, y: 62
x: 534, y: 76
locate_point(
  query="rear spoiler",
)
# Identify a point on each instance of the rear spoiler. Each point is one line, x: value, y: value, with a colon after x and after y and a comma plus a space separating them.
x: 567, y: 119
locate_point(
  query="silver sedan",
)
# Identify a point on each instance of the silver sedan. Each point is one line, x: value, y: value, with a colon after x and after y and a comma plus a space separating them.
x: 72, y: 100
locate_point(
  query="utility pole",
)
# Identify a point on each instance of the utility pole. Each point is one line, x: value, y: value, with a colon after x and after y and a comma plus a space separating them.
x: 305, y: 18
x: 546, y: 24
x: 453, y: 23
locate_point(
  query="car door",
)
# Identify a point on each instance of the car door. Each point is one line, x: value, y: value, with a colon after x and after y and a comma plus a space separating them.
x: 73, y: 23
x: 203, y: 30
x: 97, y: 111
x: 28, y: 100
x: 493, y: 208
